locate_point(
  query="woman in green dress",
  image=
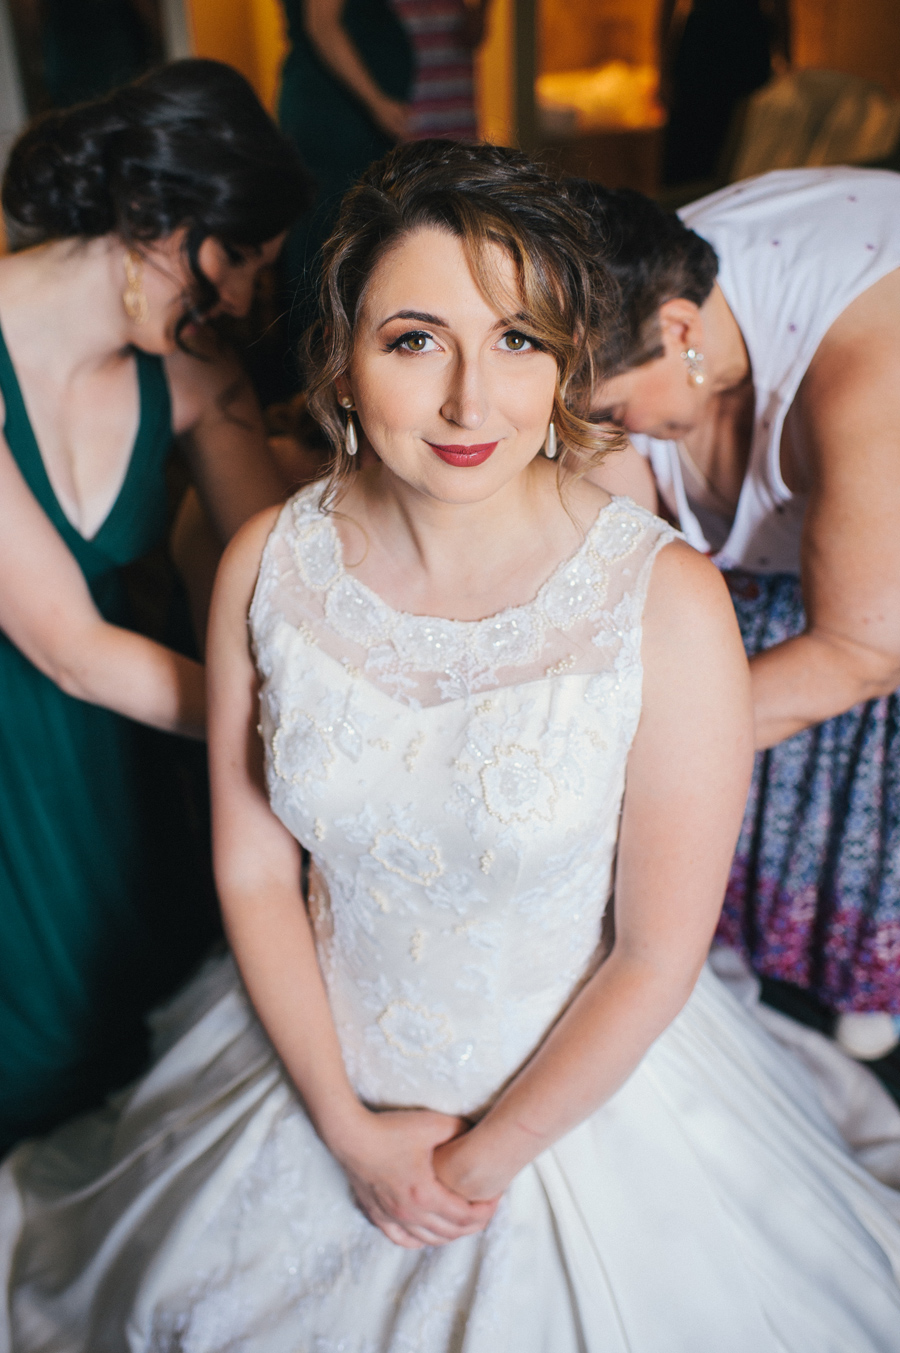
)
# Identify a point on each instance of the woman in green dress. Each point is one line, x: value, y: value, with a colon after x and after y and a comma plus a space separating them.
x: 152, y: 210
x: 345, y: 85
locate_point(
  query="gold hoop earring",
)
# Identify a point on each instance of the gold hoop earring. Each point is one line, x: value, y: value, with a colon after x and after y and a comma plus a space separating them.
x: 694, y: 359
x: 133, y: 297
x: 550, y: 442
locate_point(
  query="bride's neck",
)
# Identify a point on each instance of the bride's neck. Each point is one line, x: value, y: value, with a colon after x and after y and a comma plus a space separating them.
x: 462, y: 561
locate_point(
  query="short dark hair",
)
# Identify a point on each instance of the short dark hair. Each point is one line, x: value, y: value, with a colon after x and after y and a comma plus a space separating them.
x: 188, y: 145
x: 484, y: 195
x: 653, y: 257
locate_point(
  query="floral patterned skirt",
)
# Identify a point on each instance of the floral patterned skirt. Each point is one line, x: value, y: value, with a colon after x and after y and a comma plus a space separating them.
x: 814, y: 893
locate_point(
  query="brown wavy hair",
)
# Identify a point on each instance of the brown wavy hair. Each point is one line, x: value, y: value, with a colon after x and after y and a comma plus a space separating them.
x: 486, y: 196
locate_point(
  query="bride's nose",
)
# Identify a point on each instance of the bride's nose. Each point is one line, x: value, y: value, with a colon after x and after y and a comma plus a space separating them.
x: 466, y: 402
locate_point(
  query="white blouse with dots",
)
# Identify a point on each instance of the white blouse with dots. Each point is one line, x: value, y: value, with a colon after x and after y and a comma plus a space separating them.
x: 795, y: 248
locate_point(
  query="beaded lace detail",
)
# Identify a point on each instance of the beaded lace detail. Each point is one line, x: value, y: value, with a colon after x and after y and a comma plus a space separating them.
x: 423, y: 660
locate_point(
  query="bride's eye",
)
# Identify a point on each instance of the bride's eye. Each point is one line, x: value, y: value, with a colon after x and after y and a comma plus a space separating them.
x: 514, y: 341
x: 416, y: 341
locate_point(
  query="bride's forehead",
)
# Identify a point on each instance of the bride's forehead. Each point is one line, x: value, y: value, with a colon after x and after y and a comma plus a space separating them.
x: 430, y: 268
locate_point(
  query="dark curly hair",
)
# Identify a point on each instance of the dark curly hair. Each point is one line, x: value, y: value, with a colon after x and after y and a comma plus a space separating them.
x: 187, y: 146
x: 486, y: 196
x: 652, y: 258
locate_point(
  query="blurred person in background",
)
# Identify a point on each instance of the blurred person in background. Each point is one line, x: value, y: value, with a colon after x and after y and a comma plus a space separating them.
x: 151, y: 211
x: 445, y: 35
x: 712, y: 58
x: 344, y: 102
x: 74, y: 50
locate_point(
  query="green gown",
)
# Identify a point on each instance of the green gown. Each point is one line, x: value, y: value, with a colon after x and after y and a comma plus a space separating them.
x: 95, y: 908
x: 331, y: 129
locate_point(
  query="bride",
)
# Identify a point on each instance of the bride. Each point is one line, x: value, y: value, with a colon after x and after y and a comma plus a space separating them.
x: 469, y: 1094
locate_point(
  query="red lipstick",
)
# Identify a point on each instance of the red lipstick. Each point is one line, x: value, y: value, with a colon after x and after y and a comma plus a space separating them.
x: 464, y: 455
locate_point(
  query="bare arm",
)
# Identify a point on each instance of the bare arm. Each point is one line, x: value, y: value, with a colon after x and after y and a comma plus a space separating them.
x: 218, y: 418
x: 322, y: 21
x: 47, y: 611
x: 846, y: 420
x: 688, y: 774
x: 387, y: 1156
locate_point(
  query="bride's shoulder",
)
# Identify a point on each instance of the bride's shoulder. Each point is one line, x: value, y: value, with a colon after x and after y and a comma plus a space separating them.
x: 239, y: 568
x: 688, y: 607
x: 245, y: 552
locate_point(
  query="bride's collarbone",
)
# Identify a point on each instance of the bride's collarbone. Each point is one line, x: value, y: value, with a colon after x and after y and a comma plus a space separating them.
x: 476, y: 591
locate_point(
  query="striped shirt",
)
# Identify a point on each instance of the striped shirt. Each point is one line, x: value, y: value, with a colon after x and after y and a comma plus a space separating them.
x: 443, y: 97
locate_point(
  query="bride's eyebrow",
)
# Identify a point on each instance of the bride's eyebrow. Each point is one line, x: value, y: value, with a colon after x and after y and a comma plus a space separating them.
x: 419, y: 315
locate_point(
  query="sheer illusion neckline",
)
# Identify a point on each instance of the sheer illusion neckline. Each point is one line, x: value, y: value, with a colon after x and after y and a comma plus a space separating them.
x: 506, y: 612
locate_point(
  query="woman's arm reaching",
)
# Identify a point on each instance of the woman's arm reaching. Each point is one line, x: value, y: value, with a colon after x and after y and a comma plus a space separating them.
x: 220, y: 425
x: 387, y: 1156
x: 845, y: 425
x: 687, y: 780
x: 47, y: 611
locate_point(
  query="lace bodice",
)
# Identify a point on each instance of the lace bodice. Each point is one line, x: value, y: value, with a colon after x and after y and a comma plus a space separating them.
x: 458, y: 784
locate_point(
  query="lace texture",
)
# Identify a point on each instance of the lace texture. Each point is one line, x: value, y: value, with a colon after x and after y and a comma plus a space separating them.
x: 498, y: 748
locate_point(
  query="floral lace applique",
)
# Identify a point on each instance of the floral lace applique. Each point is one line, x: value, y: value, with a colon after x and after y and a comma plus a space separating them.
x: 451, y: 824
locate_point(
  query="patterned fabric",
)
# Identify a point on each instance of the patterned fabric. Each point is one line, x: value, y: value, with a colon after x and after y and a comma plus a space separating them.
x: 443, y: 99
x: 814, y: 894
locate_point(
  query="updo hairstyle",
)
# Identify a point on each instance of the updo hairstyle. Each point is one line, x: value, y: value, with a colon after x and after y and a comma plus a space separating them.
x: 188, y: 145
x: 652, y: 257
x: 485, y: 196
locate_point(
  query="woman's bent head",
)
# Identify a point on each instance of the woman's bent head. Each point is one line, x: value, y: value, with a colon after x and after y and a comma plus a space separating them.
x: 664, y: 273
x: 459, y: 312
x: 187, y: 151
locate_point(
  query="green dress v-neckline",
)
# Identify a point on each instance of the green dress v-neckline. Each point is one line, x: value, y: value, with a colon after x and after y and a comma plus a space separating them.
x: 113, y: 543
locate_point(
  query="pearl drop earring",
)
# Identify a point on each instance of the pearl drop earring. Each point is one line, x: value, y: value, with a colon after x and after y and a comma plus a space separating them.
x: 351, y: 442
x: 550, y: 442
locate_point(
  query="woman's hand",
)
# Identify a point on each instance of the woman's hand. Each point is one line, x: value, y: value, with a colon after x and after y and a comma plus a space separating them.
x: 391, y: 1168
x: 322, y: 20
x: 392, y: 116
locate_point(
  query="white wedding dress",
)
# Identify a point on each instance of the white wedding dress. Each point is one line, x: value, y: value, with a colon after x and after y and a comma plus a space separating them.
x: 459, y: 786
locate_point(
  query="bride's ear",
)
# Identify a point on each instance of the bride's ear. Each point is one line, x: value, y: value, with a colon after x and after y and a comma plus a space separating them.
x: 343, y: 392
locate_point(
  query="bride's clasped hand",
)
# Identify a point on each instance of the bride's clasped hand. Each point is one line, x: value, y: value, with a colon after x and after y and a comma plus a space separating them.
x: 405, y: 1176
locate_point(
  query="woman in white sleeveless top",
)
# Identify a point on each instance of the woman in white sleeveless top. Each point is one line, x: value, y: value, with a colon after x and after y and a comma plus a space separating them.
x: 757, y: 366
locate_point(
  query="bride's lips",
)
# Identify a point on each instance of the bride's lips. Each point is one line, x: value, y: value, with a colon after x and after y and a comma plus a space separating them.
x: 464, y: 455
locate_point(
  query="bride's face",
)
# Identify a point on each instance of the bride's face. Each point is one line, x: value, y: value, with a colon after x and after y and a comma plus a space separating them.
x: 450, y: 394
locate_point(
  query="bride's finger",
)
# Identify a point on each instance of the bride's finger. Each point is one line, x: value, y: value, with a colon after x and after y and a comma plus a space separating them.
x: 443, y: 1202
x: 399, y: 1235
